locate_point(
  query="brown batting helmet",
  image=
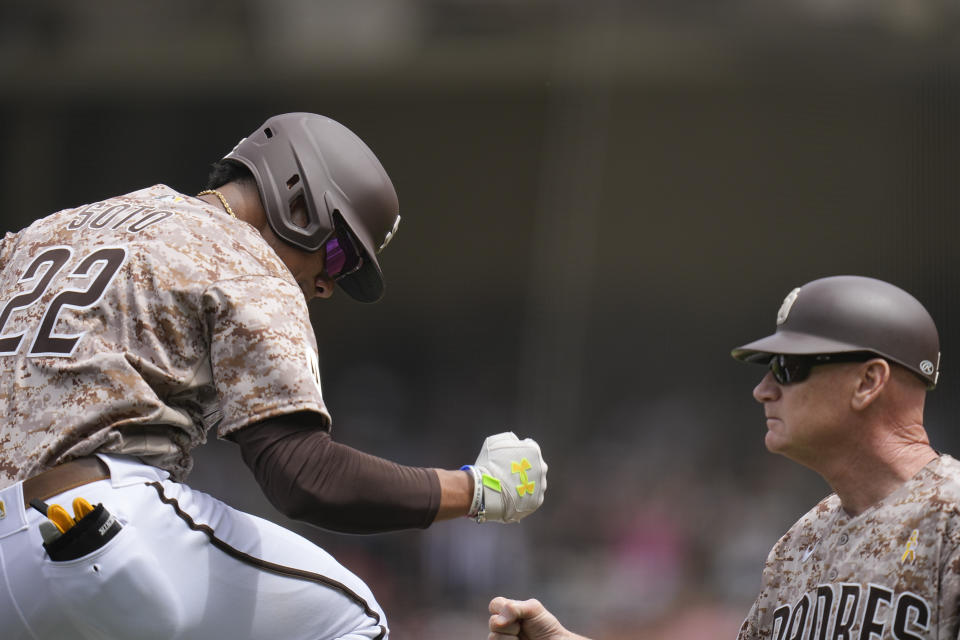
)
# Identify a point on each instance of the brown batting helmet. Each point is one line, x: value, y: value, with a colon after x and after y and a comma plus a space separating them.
x: 342, y: 183
x: 843, y: 314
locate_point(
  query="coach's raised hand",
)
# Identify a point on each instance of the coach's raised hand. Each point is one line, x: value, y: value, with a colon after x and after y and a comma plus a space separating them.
x: 525, y: 620
x: 509, y: 479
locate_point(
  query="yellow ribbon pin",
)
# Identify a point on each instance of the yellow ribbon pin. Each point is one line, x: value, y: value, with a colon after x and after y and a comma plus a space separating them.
x: 911, y: 547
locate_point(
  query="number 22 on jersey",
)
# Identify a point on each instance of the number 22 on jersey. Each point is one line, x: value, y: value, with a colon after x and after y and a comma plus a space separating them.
x: 96, y: 270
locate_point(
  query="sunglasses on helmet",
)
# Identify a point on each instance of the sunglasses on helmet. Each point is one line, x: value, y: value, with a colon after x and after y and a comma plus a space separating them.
x: 789, y: 369
x: 342, y: 256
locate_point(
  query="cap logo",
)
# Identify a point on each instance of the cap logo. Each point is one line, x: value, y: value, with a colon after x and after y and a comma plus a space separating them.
x: 787, y: 305
x: 387, y: 238
x: 927, y: 367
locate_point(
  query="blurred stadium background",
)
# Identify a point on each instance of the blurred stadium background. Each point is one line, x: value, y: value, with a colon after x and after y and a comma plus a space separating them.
x: 599, y: 200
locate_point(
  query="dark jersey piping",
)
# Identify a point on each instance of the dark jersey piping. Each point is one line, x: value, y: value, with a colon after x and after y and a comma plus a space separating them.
x: 268, y: 566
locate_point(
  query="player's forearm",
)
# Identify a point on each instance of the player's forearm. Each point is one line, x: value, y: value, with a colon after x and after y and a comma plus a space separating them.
x: 456, y: 493
x: 308, y: 477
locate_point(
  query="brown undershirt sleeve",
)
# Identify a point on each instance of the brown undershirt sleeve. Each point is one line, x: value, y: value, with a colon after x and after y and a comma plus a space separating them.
x: 309, y: 477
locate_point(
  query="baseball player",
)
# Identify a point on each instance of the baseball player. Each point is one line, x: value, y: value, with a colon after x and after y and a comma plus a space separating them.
x: 849, y: 365
x: 130, y: 329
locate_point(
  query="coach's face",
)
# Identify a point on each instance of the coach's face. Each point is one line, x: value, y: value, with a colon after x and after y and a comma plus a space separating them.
x: 809, y: 418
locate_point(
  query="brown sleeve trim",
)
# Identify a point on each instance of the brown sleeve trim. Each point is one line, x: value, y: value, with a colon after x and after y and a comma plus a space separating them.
x: 309, y: 477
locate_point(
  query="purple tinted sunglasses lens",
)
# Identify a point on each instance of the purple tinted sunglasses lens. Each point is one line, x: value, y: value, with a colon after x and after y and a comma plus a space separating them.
x: 342, y: 257
x: 336, y: 258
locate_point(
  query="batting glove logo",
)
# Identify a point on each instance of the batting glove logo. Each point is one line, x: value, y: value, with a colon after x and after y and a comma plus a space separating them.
x: 526, y: 485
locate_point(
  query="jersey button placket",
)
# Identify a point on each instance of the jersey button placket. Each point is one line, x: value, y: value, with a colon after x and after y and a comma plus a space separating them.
x: 841, y: 540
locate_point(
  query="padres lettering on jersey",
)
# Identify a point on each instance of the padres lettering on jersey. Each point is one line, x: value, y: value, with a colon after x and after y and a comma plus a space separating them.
x: 844, y: 611
x: 137, y: 324
x: 891, y: 572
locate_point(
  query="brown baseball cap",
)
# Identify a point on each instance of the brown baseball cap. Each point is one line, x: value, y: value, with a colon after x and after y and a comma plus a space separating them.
x: 843, y: 314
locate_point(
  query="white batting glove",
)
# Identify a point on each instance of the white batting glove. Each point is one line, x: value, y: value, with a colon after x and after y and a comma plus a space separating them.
x: 509, y: 479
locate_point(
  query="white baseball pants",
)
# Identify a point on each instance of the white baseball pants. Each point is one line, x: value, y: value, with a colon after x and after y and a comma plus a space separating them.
x: 184, y: 566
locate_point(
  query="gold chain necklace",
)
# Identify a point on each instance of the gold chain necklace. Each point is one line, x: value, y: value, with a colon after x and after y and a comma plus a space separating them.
x: 223, y: 201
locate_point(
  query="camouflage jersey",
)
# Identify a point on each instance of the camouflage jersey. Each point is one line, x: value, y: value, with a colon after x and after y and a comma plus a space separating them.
x: 891, y: 572
x: 135, y: 324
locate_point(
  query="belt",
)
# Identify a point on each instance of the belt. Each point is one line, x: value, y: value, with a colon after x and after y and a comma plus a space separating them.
x: 64, y: 477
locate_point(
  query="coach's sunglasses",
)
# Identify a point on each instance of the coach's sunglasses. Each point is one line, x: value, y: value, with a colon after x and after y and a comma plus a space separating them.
x: 342, y: 255
x: 788, y: 369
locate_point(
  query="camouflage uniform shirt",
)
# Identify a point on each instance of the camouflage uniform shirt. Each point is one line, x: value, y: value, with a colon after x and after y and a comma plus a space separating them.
x: 135, y: 324
x: 891, y: 572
